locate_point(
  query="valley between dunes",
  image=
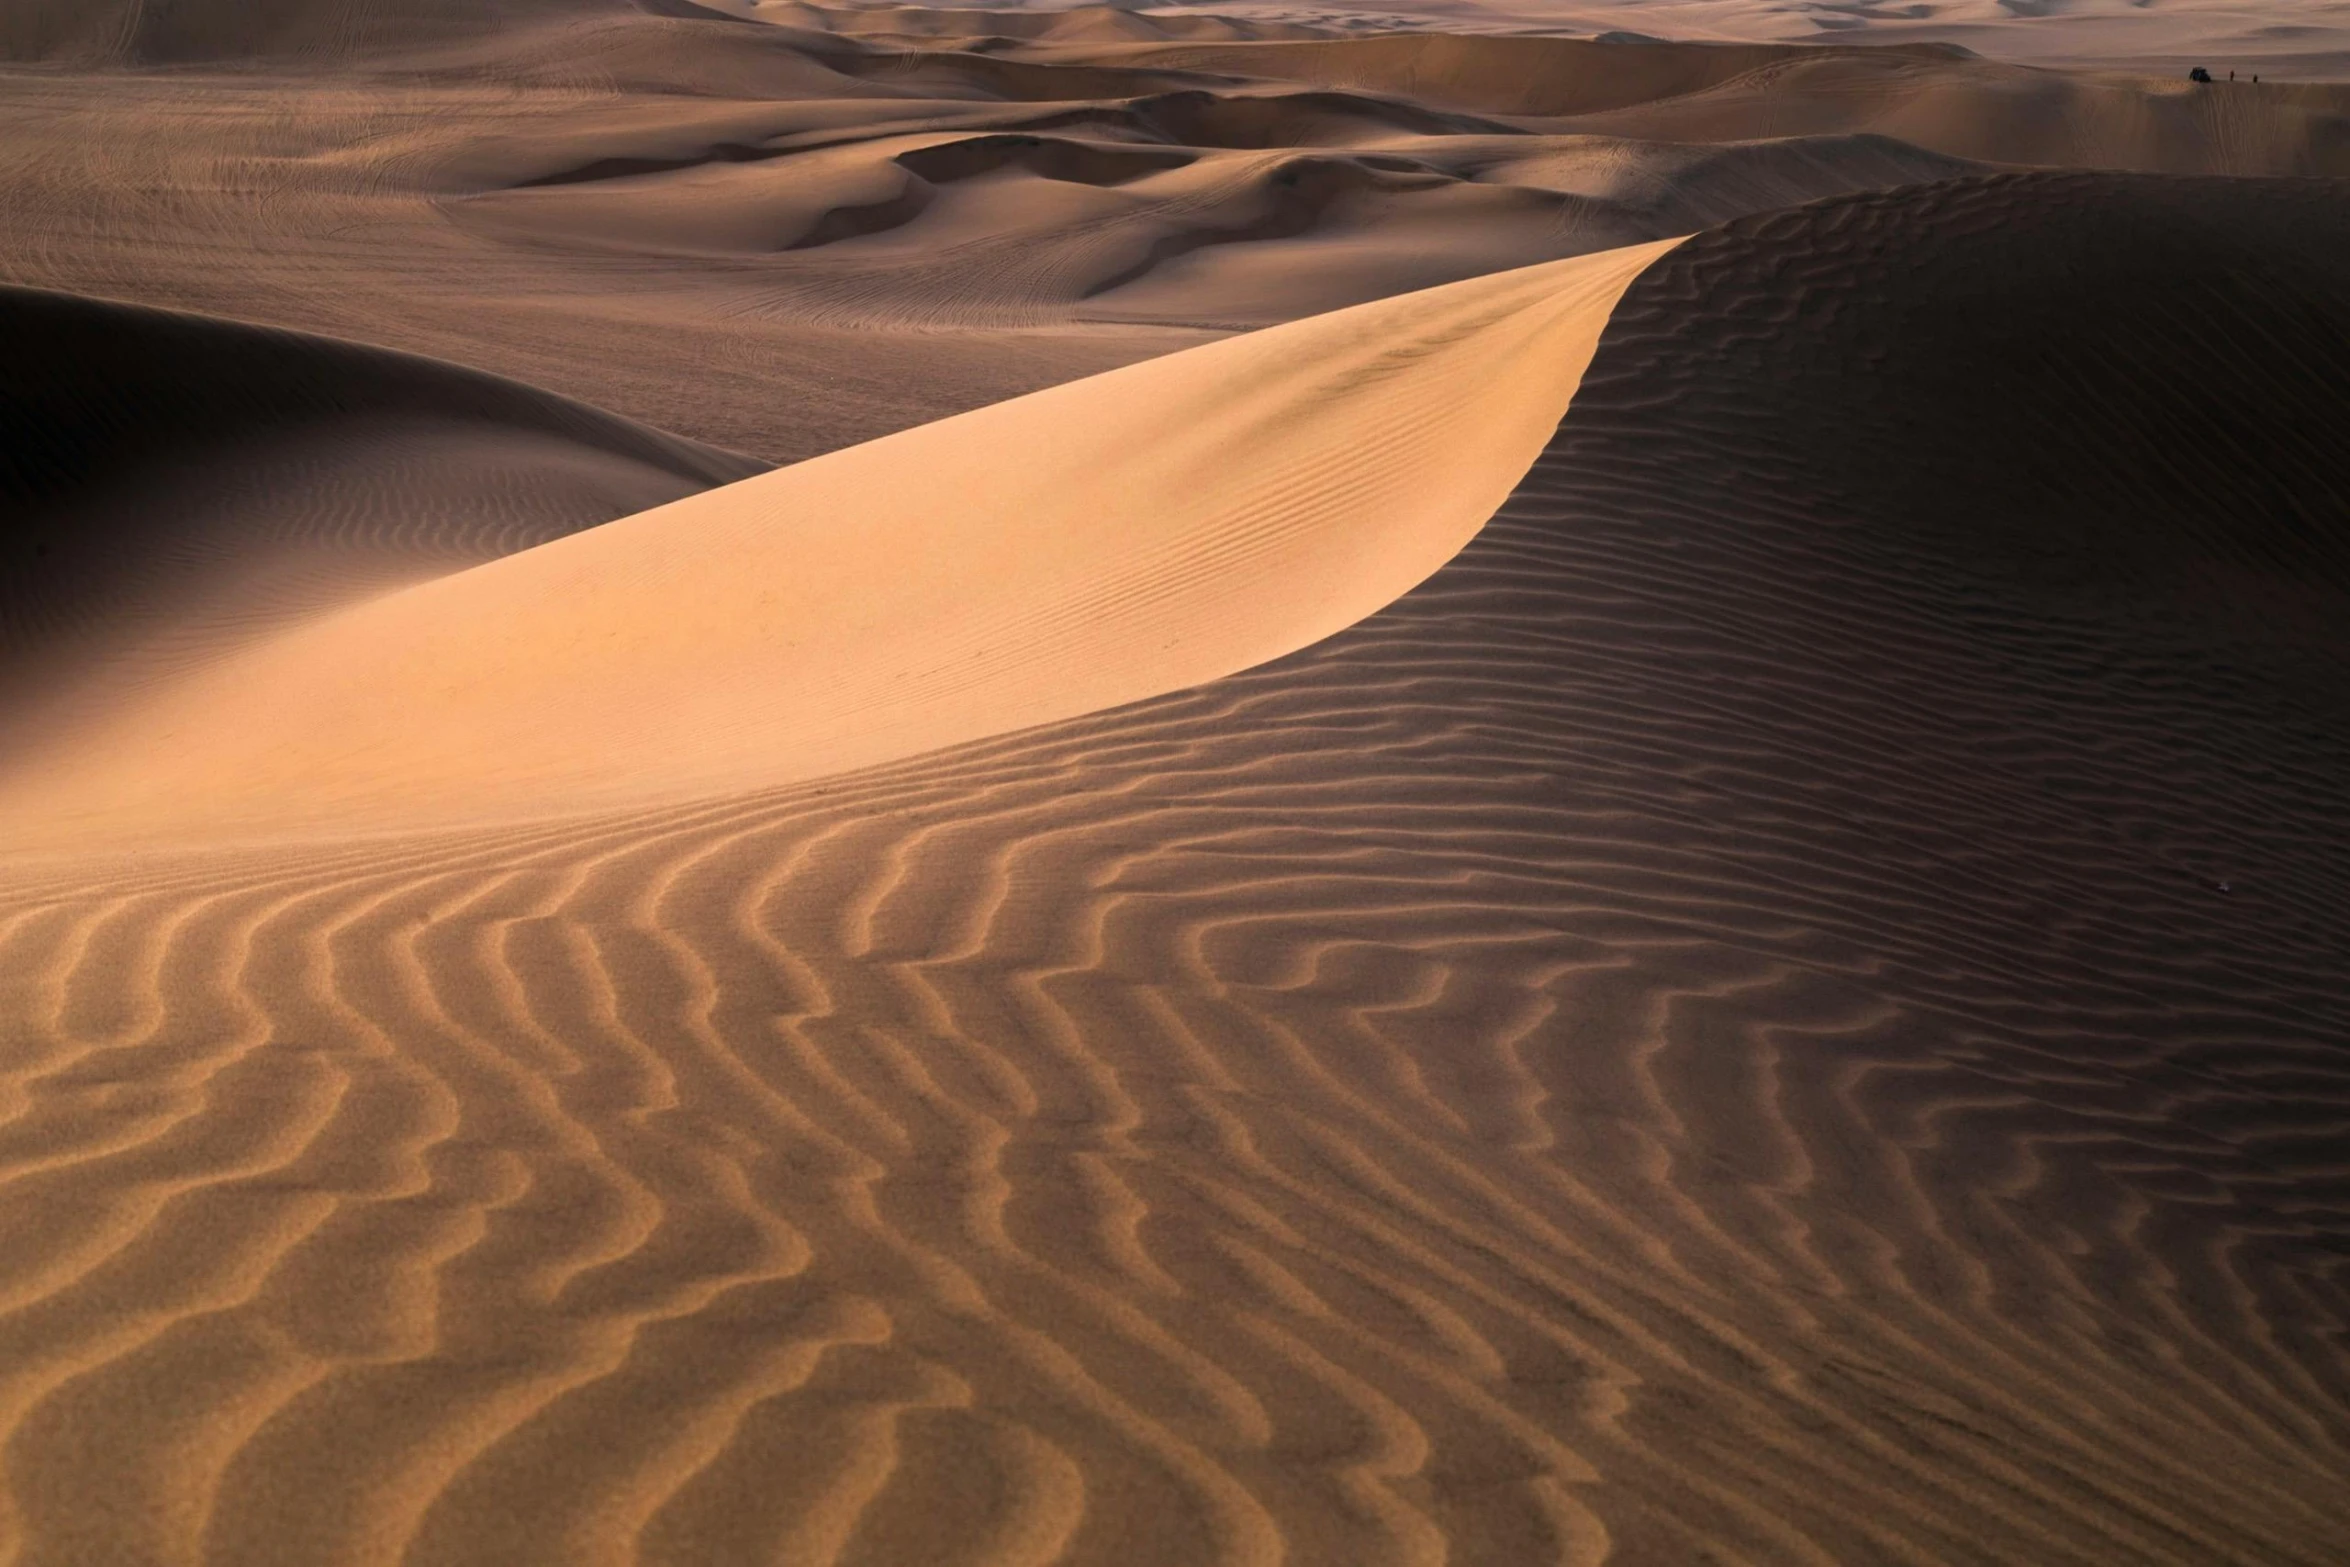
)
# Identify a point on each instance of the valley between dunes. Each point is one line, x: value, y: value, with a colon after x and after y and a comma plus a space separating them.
x: 787, y: 785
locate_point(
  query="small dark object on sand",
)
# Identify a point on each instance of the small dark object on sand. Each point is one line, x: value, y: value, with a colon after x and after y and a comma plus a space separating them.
x: 2199, y: 74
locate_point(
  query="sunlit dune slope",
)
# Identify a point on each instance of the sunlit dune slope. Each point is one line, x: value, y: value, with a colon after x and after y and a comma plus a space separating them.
x: 173, y: 486
x: 1769, y: 1010
x: 1085, y: 546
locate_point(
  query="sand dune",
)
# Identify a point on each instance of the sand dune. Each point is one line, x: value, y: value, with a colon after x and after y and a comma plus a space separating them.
x: 1941, y: 99
x: 132, y: 31
x: 230, y: 192
x: 1145, y: 530
x: 811, y: 200
x: 1138, y: 976
x: 1169, y: 208
x: 1241, y: 182
x: 176, y: 487
x: 2306, y: 39
x: 1743, y: 1016
x: 2302, y: 40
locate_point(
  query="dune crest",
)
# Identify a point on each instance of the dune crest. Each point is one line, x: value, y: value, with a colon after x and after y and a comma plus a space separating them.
x: 1094, y: 544
x: 188, y: 480
x: 1746, y: 1018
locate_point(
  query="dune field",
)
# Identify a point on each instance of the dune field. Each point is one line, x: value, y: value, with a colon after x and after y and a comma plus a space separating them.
x: 1457, y: 783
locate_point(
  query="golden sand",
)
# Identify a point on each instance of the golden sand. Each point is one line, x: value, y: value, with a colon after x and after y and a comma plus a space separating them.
x: 1360, y: 862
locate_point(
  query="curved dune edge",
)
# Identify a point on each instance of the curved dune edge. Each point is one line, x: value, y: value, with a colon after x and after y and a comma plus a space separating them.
x: 177, y: 486
x: 1090, y: 545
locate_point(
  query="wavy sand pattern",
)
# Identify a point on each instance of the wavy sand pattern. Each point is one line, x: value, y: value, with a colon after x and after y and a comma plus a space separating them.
x: 1709, y: 1026
x: 1781, y: 1000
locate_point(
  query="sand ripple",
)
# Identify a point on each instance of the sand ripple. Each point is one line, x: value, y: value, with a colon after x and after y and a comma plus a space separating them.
x: 1738, y: 1020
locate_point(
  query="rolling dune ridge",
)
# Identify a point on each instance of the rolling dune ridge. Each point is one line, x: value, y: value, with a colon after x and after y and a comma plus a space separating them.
x: 117, y: 416
x: 2310, y: 38
x: 177, y: 488
x: 1786, y: 1004
x: 784, y: 236
x: 1132, y: 533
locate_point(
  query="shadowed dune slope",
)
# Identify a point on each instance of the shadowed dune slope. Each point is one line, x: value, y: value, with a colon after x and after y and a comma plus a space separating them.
x: 1743, y: 1018
x: 1087, y: 545
x: 173, y: 485
x: 2138, y: 407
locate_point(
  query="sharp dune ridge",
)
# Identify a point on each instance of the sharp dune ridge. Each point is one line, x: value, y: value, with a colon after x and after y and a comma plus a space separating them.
x: 1268, y: 954
x: 1599, y: 1058
x: 1144, y: 530
x: 119, y: 415
x: 179, y: 488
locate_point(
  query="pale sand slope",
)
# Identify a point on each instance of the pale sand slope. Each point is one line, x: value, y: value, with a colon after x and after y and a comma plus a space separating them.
x: 1144, y: 530
x: 175, y: 486
x: 1786, y: 1005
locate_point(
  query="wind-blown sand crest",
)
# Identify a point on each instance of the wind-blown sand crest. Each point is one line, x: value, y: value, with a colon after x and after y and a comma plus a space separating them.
x: 1145, y: 530
x: 169, y: 471
x: 1744, y: 1014
x: 1778, y: 997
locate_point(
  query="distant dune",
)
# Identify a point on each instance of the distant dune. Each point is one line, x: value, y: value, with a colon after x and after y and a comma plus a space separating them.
x: 2307, y: 40
x: 1663, y: 878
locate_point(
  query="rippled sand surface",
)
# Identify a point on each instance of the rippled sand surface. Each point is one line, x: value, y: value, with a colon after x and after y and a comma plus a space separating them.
x: 1619, y: 832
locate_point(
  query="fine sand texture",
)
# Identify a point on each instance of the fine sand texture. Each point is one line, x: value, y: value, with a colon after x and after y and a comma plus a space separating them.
x: 1778, y: 1006
x: 1140, y: 531
x: 1470, y: 800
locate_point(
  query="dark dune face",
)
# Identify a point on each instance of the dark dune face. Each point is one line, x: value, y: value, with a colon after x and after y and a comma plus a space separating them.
x: 98, y: 390
x: 1082, y: 163
x: 1510, y: 76
x: 1742, y: 1017
x: 1848, y: 1022
x: 2117, y: 387
x: 1789, y: 1004
x: 165, y: 471
x: 1929, y: 963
